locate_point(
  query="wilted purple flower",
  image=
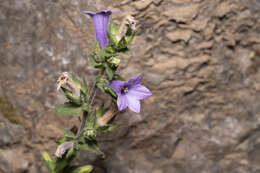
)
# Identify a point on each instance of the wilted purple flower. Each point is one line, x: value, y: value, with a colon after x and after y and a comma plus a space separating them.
x: 100, y: 20
x: 62, y: 148
x: 130, y: 93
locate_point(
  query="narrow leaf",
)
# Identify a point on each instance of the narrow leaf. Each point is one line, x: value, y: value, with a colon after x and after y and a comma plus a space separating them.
x: 79, y: 169
x: 68, y: 109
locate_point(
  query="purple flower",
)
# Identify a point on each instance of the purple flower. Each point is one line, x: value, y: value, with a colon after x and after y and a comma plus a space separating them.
x: 100, y: 20
x: 130, y: 93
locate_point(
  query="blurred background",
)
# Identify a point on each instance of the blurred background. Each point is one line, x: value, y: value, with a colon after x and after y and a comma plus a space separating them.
x: 200, y: 59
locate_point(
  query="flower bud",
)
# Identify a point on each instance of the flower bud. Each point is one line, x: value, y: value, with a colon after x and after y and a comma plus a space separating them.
x: 62, y: 148
x: 114, y: 61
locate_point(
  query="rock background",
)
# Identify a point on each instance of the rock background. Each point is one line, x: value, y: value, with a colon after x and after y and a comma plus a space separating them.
x: 200, y: 58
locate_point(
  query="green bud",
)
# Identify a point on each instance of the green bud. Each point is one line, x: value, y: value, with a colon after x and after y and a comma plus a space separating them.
x: 114, y: 61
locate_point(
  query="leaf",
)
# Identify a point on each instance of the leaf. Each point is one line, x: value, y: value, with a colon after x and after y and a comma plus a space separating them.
x: 75, y: 80
x: 91, y: 147
x: 49, y: 162
x: 68, y: 133
x: 68, y: 109
x: 110, y: 72
x: 84, y: 87
x: 79, y: 169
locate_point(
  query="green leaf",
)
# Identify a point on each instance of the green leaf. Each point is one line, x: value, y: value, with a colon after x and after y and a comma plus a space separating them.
x: 75, y: 80
x: 84, y: 87
x: 68, y: 133
x: 70, y: 96
x: 122, y: 43
x: 49, y: 162
x: 110, y: 72
x: 91, y: 147
x: 68, y: 109
x: 79, y: 169
x: 111, y: 92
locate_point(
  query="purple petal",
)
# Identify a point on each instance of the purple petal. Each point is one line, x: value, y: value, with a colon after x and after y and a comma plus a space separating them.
x: 134, y: 81
x: 122, y: 102
x: 139, y: 92
x: 133, y: 104
x: 117, y: 85
x: 89, y: 13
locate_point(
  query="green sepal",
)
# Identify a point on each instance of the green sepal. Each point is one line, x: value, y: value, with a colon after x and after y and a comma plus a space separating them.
x: 99, y: 111
x: 70, y: 96
x: 122, y: 43
x: 107, y: 128
x: 101, y: 83
x: 130, y: 38
x: 118, y: 77
x: 49, y: 162
x: 110, y: 72
x: 91, y: 121
x: 79, y: 169
x: 69, y: 108
x: 68, y: 133
x: 112, y: 27
x: 75, y: 80
x: 93, y: 62
x: 61, y: 140
x: 97, y: 47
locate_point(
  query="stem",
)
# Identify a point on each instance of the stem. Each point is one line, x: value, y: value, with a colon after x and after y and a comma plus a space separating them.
x: 83, y: 122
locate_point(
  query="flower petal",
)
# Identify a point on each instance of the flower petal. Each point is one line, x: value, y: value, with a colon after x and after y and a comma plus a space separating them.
x: 133, y: 104
x: 122, y: 102
x: 117, y: 85
x: 139, y: 92
x: 89, y: 13
x: 134, y: 81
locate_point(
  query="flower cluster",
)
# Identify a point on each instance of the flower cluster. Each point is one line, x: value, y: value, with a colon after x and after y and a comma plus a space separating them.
x: 111, y: 42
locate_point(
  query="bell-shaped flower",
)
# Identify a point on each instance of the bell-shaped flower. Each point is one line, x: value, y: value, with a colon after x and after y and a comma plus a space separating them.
x: 129, y: 93
x: 101, y: 21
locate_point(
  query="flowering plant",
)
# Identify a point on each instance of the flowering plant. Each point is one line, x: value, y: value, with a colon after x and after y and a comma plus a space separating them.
x: 80, y: 98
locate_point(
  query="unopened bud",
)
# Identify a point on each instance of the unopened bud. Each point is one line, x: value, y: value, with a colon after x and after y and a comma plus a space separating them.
x: 62, y: 148
x: 115, y: 61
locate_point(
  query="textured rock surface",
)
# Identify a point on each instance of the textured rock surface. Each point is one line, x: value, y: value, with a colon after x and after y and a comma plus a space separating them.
x: 200, y: 58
